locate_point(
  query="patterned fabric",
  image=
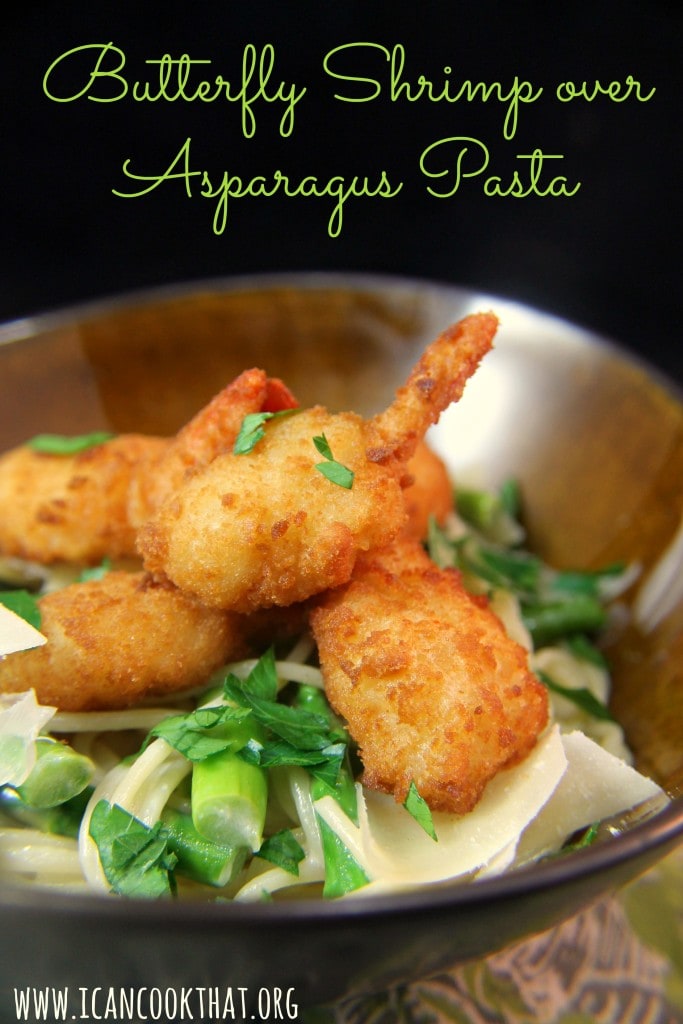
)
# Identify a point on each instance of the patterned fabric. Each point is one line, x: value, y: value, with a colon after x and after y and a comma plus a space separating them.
x: 620, y: 962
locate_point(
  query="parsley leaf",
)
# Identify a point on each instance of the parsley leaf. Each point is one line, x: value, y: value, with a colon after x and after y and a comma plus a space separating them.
x: 253, y: 430
x: 323, y: 446
x: 261, y: 683
x: 586, y: 839
x: 187, y: 733
x: 61, y: 444
x: 276, y: 753
x: 343, y: 873
x: 262, y: 680
x: 302, y: 729
x: 330, y: 771
x: 419, y: 809
x: 283, y: 850
x: 22, y: 604
x: 135, y: 858
x: 341, y: 787
x: 293, y: 735
x: 580, y: 696
x: 334, y: 471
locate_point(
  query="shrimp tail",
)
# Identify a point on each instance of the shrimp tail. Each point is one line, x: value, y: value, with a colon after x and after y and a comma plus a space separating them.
x: 210, y: 433
x: 278, y: 397
x: 214, y: 429
x: 437, y: 380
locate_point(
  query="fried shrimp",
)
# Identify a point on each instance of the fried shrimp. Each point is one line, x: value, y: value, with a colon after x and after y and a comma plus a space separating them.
x: 72, y: 508
x: 430, y: 494
x: 268, y: 528
x: 116, y: 641
x: 208, y: 434
x: 432, y: 688
x: 85, y: 507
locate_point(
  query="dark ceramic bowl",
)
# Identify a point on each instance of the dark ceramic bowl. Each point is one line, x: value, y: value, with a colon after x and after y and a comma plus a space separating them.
x: 596, y: 441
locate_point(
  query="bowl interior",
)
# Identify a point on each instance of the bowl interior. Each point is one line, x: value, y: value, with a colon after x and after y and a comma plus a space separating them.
x: 594, y: 439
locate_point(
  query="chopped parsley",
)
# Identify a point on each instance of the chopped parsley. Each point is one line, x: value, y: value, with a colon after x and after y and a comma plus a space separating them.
x: 62, y: 444
x: 283, y: 850
x: 253, y: 430
x: 289, y: 734
x: 343, y: 873
x: 191, y: 734
x: 580, y: 696
x: 22, y: 604
x: 419, y: 809
x: 135, y: 858
x: 334, y: 471
x: 272, y: 734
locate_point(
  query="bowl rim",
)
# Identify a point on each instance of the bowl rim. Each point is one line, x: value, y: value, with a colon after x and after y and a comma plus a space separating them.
x: 21, y: 328
x: 659, y: 833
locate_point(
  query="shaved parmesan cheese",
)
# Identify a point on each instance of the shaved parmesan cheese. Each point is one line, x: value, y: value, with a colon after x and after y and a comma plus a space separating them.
x: 16, y: 634
x: 596, y: 785
x: 565, y: 784
x: 395, y: 852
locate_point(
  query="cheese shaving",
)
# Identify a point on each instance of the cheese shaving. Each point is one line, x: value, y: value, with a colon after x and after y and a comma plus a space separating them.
x: 16, y: 634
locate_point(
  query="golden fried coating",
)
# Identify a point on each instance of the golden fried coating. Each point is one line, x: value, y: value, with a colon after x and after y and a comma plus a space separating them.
x: 85, y: 507
x: 268, y: 528
x: 116, y: 641
x: 429, y: 494
x: 72, y: 508
x: 208, y: 434
x: 432, y: 688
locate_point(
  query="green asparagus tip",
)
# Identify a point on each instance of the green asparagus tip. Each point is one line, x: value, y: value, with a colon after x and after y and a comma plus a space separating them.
x: 59, y: 774
x: 229, y: 800
x: 198, y: 857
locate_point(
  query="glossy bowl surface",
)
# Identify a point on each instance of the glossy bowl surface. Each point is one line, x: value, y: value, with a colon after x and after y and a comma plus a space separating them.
x: 596, y: 441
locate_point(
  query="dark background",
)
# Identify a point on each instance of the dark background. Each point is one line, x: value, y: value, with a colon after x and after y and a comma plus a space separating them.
x: 608, y: 258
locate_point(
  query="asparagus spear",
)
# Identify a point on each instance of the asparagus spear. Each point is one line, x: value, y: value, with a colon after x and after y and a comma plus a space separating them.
x: 59, y: 774
x: 63, y: 820
x: 550, y: 621
x: 494, y: 514
x: 229, y: 796
x: 198, y: 857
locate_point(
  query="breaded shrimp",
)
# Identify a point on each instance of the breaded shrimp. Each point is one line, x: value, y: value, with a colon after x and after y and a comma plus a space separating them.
x: 429, y: 494
x: 115, y: 641
x: 82, y: 508
x: 268, y: 528
x: 432, y: 688
x: 208, y: 434
x: 72, y: 508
